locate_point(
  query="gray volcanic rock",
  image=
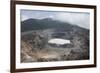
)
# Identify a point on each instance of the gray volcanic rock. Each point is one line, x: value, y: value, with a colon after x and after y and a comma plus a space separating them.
x: 36, y: 33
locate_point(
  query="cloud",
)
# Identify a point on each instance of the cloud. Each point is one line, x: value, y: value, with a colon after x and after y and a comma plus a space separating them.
x: 24, y: 17
x: 80, y: 19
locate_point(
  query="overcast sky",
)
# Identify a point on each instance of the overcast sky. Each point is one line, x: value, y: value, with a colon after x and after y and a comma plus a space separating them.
x: 80, y: 19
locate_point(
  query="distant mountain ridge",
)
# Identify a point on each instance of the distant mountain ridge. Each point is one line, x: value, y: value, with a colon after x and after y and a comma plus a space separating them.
x: 38, y: 24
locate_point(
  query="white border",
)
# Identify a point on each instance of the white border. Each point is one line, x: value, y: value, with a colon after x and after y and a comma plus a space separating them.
x: 52, y: 64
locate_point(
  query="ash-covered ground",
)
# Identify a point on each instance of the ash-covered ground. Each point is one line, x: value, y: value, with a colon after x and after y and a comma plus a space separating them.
x: 36, y: 48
